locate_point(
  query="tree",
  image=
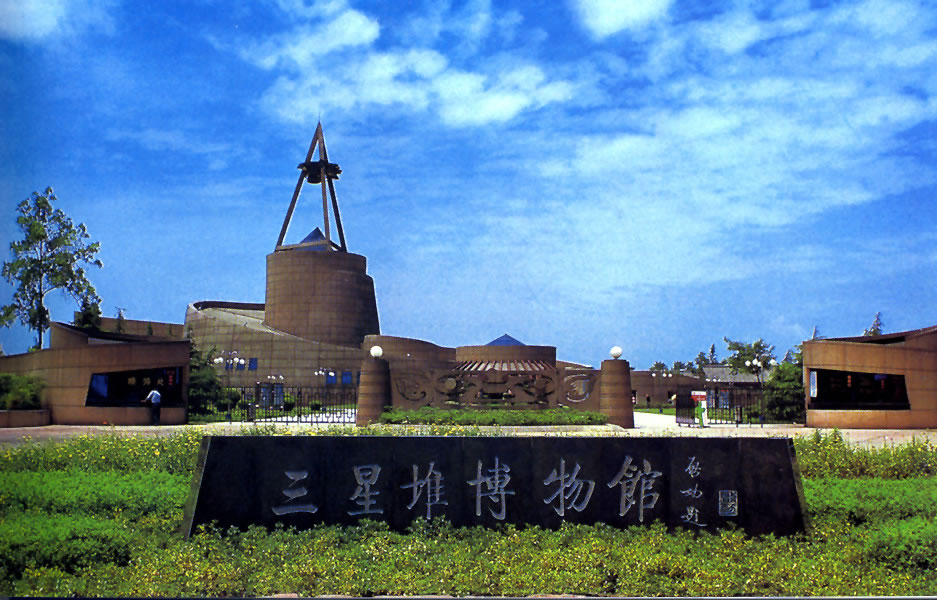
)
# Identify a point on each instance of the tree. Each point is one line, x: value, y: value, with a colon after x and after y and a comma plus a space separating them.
x: 658, y: 366
x: 204, y: 389
x: 89, y: 315
x: 794, y: 356
x: 750, y: 358
x: 699, y: 362
x: 712, y: 355
x: 680, y: 366
x: 784, y: 394
x: 49, y: 257
x: 876, y: 327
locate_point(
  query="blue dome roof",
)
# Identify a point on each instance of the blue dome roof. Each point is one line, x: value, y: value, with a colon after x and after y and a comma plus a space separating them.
x: 505, y: 340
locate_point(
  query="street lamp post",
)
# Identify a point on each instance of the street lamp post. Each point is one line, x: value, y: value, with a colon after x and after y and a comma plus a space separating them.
x: 231, y: 361
x: 757, y: 367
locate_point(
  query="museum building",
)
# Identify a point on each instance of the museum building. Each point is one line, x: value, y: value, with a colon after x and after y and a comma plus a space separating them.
x: 872, y: 382
x: 319, y: 321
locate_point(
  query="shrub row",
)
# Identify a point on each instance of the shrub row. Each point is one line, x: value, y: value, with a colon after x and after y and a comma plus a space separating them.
x: 129, y: 454
x: 20, y: 392
x: 435, y: 558
x: 859, y: 501
x: 131, y: 495
x: 65, y: 542
x: 819, y: 456
x: 439, y: 416
x: 831, y: 456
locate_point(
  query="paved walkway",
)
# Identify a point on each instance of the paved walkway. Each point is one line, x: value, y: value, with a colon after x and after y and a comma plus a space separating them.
x: 646, y: 424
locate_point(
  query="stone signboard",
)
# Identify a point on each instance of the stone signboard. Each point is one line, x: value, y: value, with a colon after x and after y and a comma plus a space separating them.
x: 695, y: 483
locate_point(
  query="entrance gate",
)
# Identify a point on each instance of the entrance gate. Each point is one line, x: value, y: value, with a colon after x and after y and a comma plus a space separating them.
x: 736, y: 406
x: 276, y: 403
x: 725, y: 406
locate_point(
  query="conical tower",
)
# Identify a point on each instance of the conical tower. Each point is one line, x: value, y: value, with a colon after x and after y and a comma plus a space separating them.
x: 316, y: 289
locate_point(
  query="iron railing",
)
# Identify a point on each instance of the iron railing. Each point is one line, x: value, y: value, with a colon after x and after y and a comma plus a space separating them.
x: 278, y: 403
x: 725, y: 406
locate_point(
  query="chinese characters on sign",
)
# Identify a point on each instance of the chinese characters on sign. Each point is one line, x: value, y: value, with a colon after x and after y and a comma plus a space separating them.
x: 496, y: 484
x: 302, y: 482
x: 692, y: 516
x: 294, y: 492
x: 631, y: 479
x: 366, y: 476
x: 569, y: 490
x: 432, y: 484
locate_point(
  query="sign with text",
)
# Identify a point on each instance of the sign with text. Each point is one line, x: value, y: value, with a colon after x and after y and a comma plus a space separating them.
x: 696, y: 483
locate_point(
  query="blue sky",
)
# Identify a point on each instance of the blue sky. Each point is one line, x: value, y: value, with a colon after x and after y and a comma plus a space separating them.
x: 653, y: 174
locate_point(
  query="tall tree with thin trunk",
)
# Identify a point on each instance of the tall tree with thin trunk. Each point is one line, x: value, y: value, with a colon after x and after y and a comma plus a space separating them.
x: 50, y: 257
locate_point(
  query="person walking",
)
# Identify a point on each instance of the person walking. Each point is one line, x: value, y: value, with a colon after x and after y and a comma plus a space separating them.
x: 153, y: 399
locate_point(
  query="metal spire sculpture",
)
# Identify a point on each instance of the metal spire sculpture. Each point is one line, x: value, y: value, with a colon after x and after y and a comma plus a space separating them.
x: 322, y: 172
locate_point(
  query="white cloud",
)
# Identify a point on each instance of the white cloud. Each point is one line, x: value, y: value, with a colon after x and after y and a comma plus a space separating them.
x: 301, y: 47
x: 172, y: 140
x: 880, y: 17
x: 603, y: 18
x: 465, y: 100
x: 313, y: 9
x: 33, y: 20
x: 417, y: 80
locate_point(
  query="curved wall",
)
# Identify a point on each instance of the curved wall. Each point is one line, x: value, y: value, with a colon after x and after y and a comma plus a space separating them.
x: 398, y: 348
x: 321, y: 296
x: 546, y: 354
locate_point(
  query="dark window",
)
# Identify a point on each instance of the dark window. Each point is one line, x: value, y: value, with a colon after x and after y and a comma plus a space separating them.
x: 252, y: 364
x: 858, y: 391
x: 129, y: 388
x: 330, y: 379
x: 346, y: 377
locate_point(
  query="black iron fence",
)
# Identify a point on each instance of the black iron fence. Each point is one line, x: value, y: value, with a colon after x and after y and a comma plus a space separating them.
x: 685, y: 410
x: 736, y: 406
x: 725, y: 406
x: 279, y: 403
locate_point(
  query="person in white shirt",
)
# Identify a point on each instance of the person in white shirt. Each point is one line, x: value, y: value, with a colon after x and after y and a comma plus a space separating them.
x: 153, y: 400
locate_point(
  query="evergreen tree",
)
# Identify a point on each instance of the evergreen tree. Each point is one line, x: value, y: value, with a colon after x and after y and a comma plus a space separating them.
x: 876, y: 328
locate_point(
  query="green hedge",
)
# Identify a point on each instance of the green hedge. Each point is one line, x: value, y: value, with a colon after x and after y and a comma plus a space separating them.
x: 831, y: 456
x: 130, y: 454
x: 62, y: 541
x: 428, y: 415
x: 860, y: 501
x: 101, y: 494
x: 436, y: 558
x: 20, y: 392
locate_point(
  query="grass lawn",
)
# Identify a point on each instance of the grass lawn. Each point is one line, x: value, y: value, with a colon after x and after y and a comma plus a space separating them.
x: 97, y: 516
x: 670, y: 411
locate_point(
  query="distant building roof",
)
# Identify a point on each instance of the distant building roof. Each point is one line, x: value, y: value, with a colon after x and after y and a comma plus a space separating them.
x: 885, y: 338
x: 723, y: 373
x: 505, y: 340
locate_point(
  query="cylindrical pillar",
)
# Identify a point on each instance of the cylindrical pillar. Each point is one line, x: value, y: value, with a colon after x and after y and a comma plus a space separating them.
x: 373, y: 390
x: 615, y: 393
